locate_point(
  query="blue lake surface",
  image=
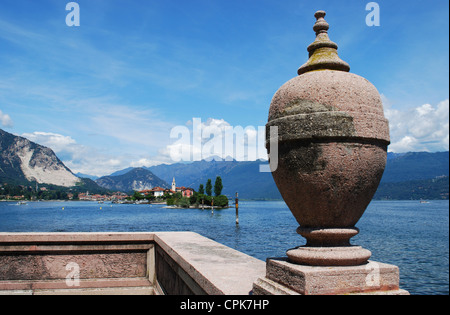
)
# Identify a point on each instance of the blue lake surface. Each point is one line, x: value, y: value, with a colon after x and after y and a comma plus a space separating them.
x: 409, y: 234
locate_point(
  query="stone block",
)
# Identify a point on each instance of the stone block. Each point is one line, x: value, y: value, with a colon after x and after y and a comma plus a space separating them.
x: 283, y: 277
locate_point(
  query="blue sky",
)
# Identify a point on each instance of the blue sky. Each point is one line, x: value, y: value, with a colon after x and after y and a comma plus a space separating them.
x: 105, y: 95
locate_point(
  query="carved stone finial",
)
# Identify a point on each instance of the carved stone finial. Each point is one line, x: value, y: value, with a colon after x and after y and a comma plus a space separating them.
x: 321, y: 25
x: 323, y: 52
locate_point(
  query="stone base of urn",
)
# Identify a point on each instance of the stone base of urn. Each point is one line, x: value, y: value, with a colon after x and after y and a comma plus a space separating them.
x: 329, y: 247
x: 286, y: 278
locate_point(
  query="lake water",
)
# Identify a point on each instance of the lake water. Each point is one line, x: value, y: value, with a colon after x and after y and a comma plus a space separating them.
x: 408, y: 234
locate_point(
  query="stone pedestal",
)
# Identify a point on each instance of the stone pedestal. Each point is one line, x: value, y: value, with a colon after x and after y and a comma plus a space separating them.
x: 285, y: 278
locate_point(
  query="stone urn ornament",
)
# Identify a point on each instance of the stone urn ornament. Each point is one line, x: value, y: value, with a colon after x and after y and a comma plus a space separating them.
x: 332, y: 150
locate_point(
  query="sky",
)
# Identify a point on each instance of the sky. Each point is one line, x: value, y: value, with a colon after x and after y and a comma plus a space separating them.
x: 107, y: 94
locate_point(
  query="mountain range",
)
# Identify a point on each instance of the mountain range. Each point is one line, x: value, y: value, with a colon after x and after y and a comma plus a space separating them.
x: 411, y: 171
x: 408, y: 175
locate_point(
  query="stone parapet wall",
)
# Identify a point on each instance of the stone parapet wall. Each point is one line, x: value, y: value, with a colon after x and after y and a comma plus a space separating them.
x: 123, y: 263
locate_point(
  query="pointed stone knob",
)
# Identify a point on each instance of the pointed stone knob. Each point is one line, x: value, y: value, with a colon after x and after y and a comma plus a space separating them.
x: 321, y: 25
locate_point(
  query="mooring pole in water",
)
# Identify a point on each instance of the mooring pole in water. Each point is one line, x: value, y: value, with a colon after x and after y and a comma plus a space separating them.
x: 212, y: 206
x: 237, y: 208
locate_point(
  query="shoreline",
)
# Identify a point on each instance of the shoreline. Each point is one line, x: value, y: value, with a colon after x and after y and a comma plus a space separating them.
x: 200, y: 208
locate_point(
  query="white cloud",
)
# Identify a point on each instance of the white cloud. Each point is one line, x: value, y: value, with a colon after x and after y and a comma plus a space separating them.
x: 5, y: 120
x: 78, y: 158
x: 144, y: 162
x: 406, y: 144
x: 423, y: 128
x: 215, y: 138
x: 58, y: 143
x: 129, y: 125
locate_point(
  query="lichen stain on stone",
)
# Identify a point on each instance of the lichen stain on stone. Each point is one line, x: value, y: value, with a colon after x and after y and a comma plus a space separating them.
x: 315, y: 126
x: 304, y: 106
x: 324, y: 58
x: 304, y: 157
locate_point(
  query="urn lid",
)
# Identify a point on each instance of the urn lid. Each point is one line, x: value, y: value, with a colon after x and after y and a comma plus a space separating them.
x: 323, y: 52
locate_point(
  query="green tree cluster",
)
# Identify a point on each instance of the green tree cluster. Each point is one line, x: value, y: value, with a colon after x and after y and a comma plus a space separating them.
x: 23, y: 192
x: 200, y: 198
x: 178, y: 200
x: 137, y: 196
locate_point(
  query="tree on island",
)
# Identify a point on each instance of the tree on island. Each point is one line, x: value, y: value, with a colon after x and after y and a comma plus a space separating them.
x: 218, y: 186
x: 137, y: 196
x: 201, y: 189
x: 209, y: 187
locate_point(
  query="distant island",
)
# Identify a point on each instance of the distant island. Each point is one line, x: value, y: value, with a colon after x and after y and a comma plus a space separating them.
x: 183, y: 197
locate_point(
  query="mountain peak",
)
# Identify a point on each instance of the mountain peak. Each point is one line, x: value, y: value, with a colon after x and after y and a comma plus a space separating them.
x: 22, y: 160
x: 135, y: 179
